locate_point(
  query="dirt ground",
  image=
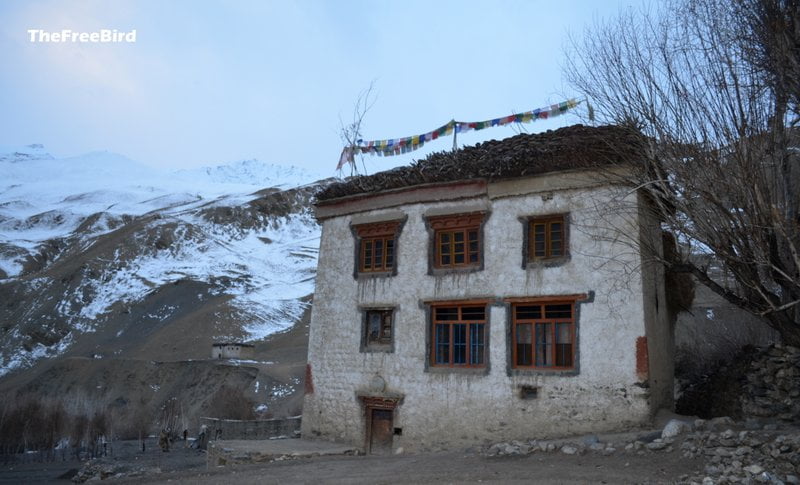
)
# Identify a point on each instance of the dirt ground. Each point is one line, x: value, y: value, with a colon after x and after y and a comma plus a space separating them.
x: 449, y: 467
x: 188, y: 466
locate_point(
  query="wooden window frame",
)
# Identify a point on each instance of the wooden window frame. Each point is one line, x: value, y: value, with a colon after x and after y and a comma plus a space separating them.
x: 469, y: 345
x: 453, y: 226
x: 547, y: 221
x: 543, y: 319
x: 367, y: 235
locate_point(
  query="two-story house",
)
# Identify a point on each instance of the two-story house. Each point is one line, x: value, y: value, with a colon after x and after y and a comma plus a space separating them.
x: 500, y: 291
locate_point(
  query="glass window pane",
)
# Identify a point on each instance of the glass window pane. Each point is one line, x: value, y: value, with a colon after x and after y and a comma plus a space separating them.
x: 558, y: 311
x: 374, y: 326
x: 459, y: 343
x: 524, y: 344
x: 378, y: 256
x: 473, y: 313
x: 476, y: 349
x: 528, y: 312
x: 445, y: 313
x: 445, y: 238
x: 458, y: 258
x: 564, y: 344
x: 538, y: 241
x: 386, y: 328
x: 442, y: 343
x: 458, y: 237
x: 563, y: 333
x: 367, y: 254
x: 389, y: 253
x: 544, y: 343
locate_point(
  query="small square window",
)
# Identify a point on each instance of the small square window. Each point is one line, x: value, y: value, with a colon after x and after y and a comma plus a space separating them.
x: 377, y: 247
x: 547, y: 238
x: 457, y: 240
x: 378, y: 329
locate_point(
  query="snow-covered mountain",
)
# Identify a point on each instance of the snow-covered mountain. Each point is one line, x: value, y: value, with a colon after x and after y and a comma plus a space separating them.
x: 100, y: 245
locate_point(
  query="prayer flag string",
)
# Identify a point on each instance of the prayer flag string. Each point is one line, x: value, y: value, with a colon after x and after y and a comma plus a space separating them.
x: 397, y: 146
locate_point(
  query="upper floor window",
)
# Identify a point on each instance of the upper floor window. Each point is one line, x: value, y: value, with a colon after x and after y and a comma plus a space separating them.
x: 457, y: 240
x: 377, y: 246
x: 543, y: 335
x: 547, y: 238
x: 459, y: 335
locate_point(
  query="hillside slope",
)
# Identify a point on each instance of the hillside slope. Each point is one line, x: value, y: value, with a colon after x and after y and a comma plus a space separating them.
x: 115, y: 279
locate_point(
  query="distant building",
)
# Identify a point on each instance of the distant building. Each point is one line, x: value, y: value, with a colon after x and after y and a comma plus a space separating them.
x: 502, y: 291
x: 231, y: 350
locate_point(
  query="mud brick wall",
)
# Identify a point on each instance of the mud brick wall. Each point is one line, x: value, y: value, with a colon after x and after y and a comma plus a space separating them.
x: 233, y: 429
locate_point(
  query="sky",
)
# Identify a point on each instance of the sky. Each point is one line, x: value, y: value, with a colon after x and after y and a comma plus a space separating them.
x: 211, y: 82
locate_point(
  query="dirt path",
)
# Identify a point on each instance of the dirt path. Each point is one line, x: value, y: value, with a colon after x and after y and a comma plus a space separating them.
x: 449, y: 467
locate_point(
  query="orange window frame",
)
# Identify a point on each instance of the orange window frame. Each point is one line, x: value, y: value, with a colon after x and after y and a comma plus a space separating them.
x: 371, y: 237
x: 543, y: 319
x: 550, y: 236
x: 466, y: 343
x: 457, y: 237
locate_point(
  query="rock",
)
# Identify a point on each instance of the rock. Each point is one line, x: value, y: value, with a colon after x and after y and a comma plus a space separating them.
x: 675, y: 427
x: 656, y: 445
x: 708, y: 481
x: 793, y: 479
x: 719, y: 422
x: 754, y: 469
x: 649, y: 437
x: 399, y: 450
x: 569, y: 450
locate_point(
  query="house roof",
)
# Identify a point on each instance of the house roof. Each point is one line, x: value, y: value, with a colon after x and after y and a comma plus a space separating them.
x: 567, y: 148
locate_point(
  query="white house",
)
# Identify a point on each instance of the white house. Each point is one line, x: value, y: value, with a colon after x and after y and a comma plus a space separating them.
x: 501, y: 291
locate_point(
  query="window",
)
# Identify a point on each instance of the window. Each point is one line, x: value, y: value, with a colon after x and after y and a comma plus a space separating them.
x: 457, y: 240
x: 543, y: 335
x: 547, y: 238
x: 378, y: 328
x: 459, y: 336
x: 377, y: 245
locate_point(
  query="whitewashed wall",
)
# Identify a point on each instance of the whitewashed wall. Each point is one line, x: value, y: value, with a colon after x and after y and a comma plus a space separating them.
x: 447, y: 409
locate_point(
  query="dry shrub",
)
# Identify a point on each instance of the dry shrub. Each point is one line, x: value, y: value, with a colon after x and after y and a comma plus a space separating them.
x: 28, y: 424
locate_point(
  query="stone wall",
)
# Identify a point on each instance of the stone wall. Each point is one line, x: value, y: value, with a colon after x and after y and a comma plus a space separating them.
x: 233, y: 429
x: 772, y: 388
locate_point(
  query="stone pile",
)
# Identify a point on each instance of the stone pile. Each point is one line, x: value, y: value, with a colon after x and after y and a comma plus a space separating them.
x: 747, y: 453
x: 98, y: 470
x: 745, y: 456
x: 772, y: 389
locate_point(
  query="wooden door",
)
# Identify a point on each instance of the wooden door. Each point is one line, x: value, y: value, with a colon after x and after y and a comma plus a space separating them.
x: 381, y: 429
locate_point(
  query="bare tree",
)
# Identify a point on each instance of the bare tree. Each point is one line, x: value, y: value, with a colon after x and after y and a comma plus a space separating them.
x: 350, y: 133
x: 714, y: 95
